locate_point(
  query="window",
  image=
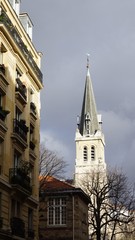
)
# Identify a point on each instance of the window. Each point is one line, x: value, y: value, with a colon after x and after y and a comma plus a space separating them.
x: 17, y: 158
x: 92, y: 153
x: 84, y: 218
x: 31, y: 132
x: 0, y: 100
x: 32, y: 140
x: 29, y: 29
x: 30, y: 218
x: 1, y: 155
x: 85, y: 153
x: 1, y: 58
x: 18, y: 73
x: 57, y: 211
x: 18, y: 114
x: 16, y: 5
x: 15, y: 208
x: 0, y: 203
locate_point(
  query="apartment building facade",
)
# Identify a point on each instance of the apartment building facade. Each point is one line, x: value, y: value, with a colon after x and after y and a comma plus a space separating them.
x: 20, y: 85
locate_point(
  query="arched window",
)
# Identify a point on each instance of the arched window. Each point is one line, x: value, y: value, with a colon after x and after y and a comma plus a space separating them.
x: 85, y: 153
x: 92, y: 153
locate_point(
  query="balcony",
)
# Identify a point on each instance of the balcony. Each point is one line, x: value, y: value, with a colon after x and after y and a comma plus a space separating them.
x: 20, y: 131
x: 32, y: 145
x: 3, y: 81
x: 33, y: 108
x: 20, y: 91
x: 4, y: 19
x: 17, y: 227
x: 2, y: 69
x: 20, y: 180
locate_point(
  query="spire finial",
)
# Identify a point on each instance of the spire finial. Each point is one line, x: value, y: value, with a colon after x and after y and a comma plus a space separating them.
x: 88, y: 65
x: 88, y: 60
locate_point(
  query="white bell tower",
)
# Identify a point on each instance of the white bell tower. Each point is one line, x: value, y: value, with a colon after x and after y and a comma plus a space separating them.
x: 89, y: 138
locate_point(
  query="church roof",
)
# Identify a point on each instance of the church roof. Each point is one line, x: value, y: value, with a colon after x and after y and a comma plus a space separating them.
x: 89, y: 111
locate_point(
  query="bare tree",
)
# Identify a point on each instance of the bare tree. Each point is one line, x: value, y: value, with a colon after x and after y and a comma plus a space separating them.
x: 112, y: 204
x: 50, y: 164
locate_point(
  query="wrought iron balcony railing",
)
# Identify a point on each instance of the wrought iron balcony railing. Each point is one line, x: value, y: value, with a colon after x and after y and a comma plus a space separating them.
x: 17, y: 227
x: 2, y: 69
x: 32, y: 145
x: 3, y: 113
x: 20, y: 128
x: 20, y: 87
x: 4, y: 19
x: 18, y: 177
x: 33, y: 107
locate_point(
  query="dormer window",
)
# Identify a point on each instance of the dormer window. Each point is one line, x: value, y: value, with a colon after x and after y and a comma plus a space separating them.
x: 27, y: 23
x: 16, y: 5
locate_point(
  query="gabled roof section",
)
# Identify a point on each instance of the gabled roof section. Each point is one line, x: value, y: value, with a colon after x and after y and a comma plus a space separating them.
x: 89, y: 112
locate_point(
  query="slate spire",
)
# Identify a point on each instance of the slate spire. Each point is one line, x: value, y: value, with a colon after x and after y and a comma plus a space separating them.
x: 89, y: 120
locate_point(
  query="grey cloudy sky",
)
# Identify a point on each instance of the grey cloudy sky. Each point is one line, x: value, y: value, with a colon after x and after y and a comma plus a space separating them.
x: 64, y: 31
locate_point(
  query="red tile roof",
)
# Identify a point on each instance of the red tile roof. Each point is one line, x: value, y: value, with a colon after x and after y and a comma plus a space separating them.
x: 52, y: 183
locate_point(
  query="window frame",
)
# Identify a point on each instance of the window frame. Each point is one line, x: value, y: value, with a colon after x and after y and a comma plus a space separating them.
x: 85, y: 153
x: 15, y: 208
x: 30, y: 219
x: 18, y: 113
x: 93, y: 153
x: 17, y: 159
x: 57, y: 211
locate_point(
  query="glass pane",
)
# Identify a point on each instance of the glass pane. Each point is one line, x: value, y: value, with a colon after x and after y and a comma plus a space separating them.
x: 57, y: 215
x: 63, y: 214
x: 50, y: 215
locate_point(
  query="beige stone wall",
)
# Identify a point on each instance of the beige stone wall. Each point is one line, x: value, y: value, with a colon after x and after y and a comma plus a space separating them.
x: 77, y: 221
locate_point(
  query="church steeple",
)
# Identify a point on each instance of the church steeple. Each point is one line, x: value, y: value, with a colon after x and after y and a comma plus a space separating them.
x: 89, y: 137
x: 89, y: 120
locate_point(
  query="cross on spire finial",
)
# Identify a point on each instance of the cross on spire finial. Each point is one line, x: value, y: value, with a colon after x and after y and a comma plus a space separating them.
x: 88, y: 60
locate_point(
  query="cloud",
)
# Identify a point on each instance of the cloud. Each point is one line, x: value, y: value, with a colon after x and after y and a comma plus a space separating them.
x: 120, y: 143
x: 54, y: 144
x: 64, y: 34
